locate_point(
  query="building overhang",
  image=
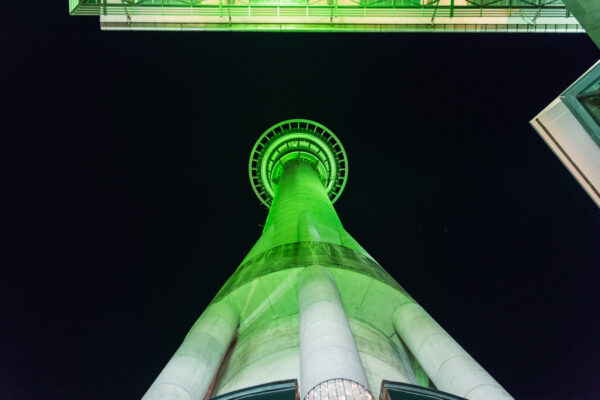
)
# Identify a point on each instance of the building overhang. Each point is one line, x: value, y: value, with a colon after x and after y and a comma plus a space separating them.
x: 570, y: 125
x: 332, y: 15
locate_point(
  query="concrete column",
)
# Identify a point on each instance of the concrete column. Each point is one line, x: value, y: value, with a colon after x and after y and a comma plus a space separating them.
x: 327, y: 347
x: 448, y: 365
x: 192, y: 368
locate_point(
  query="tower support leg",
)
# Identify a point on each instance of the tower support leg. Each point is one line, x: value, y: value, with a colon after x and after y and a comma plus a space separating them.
x: 329, y: 359
x: 448, y: 365
x: 189, y: 373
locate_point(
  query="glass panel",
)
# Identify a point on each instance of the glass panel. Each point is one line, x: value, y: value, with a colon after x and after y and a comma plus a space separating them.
x: 404, y: 391
x: 591, y: 103
x: 590, y: 100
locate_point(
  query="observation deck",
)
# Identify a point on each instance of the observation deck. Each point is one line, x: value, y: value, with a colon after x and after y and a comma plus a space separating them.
x: 332, y: 15
x: 297, y: 139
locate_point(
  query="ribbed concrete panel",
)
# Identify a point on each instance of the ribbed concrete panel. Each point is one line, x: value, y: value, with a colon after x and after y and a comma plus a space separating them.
x: 573, y: 134
x: 379, y: 355
x: 267, y: 353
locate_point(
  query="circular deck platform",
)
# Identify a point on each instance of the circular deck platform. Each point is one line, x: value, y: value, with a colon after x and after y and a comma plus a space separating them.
x: 297, y: 139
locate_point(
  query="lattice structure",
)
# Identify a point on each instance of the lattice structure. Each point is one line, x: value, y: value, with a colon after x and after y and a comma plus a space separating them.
x: 331, y: 15
x: 339, y: 389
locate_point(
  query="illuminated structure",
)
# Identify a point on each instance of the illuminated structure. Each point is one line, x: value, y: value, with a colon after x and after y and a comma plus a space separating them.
x: 333, y: 15
x: 308, y: 304
x: 570, y: 125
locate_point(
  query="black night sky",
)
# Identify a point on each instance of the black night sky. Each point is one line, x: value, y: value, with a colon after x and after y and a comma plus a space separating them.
x: 125, y: 201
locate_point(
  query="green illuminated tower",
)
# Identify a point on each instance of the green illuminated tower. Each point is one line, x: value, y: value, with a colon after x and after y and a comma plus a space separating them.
x: 309, y: 313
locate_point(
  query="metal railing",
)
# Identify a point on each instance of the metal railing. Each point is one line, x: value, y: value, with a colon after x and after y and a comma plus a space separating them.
x: 371, y: 8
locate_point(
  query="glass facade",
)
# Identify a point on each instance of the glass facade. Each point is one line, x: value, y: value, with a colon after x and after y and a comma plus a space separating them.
x: 403, y: 391
x: 583, y: 98
x: 590, y: 100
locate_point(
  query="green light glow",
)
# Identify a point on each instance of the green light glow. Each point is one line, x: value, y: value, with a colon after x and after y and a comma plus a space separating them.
x: 297, y: 139
x: 331, y: 15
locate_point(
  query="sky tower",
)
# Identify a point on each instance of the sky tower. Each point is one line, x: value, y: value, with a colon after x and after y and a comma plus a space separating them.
x: 309, y: 314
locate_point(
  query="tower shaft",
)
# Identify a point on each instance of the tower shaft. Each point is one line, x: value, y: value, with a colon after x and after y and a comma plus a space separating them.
x: 301, y: 210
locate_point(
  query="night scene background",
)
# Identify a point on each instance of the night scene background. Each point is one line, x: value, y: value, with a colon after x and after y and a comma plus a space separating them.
x: 126, y: 204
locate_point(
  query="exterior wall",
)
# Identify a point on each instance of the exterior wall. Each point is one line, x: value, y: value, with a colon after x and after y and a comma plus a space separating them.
x: 570, y: 139
x: 572, y: 145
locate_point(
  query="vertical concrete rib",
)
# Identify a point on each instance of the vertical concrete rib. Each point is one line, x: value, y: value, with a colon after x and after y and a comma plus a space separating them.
x: 448, y: 365
x: 192, y: 368
x: 307, y: 229
x: 327, y: 347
